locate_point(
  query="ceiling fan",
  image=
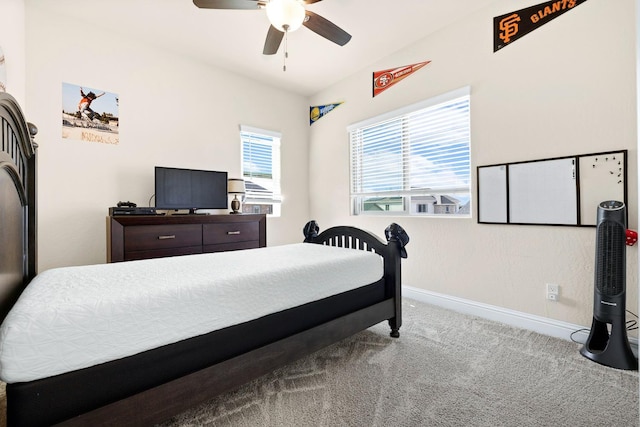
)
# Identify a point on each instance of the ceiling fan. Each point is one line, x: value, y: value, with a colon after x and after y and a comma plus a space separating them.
x: 285, y: 16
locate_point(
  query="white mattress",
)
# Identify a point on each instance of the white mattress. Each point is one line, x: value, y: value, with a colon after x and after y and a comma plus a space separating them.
x: 75, y: 317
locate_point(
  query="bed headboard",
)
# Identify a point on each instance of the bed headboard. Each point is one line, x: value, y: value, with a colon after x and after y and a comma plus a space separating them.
x: 17, y: 203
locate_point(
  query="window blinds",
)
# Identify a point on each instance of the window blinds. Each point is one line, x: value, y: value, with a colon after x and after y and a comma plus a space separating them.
x: 419, y: 152
x: 261, y: 165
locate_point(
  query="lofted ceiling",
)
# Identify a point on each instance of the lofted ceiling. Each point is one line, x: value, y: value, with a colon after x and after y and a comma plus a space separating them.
x: 234, y: 39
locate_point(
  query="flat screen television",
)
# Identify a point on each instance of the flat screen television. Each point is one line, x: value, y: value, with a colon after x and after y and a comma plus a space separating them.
x: 190, y: 189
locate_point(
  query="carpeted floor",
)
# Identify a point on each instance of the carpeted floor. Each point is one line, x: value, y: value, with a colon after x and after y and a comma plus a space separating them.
x: 446, y: 369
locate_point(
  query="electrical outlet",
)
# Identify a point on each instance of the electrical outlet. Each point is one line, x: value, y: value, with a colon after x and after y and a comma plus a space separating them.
x: 553, y: 291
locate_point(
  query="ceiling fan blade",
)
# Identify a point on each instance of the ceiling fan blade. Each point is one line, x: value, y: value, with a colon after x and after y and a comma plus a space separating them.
x: 311, y: 1
x: 326, y: 28
x: 272, y: 43
x: 226, y: 4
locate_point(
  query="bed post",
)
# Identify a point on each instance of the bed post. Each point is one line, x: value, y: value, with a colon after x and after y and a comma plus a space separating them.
x: 32, y: 213
x: 397, y: 238
x: 310, y: 231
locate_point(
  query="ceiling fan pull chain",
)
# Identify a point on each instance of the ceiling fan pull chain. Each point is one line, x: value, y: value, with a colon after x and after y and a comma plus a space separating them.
x: 286, y: 48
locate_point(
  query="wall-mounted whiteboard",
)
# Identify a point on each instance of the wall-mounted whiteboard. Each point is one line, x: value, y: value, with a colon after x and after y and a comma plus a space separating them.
x: 492, y: 194
x: 559, y: 191
x: 543, y: 192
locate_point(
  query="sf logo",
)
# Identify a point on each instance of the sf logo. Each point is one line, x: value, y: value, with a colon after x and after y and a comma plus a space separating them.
x: 384, y: 80
x: 509, y: 27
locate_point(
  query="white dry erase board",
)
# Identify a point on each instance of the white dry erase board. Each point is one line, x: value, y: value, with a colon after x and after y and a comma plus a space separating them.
x: 543, y: 192
x: 558, y: 191
x: 493, y: 193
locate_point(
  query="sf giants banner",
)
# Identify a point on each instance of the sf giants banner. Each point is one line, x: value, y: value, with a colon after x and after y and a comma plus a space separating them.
x: 383, y: 80
x: 510, y: 27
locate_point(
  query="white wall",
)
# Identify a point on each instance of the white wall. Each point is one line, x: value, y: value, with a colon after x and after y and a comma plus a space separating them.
x: 567, y: 88
x: 12, y: 42
x: 173, y: 112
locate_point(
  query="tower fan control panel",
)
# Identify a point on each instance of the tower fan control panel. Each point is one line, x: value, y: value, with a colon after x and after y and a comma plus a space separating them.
x: 612, y: 205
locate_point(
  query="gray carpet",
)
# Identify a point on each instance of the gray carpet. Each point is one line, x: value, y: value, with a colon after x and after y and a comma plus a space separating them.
x: 446, y: 369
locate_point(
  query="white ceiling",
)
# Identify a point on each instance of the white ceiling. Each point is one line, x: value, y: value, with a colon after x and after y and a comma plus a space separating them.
x: 233, y: 39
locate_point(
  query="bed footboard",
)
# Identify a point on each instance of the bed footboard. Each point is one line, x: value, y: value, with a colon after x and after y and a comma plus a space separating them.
x: 391, y: 252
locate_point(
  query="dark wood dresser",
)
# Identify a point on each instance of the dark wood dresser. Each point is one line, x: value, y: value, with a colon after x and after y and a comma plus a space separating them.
x: 133, y: 237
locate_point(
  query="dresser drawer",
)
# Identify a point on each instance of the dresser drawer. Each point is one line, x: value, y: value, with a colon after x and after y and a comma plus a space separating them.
x: 235, y: 246
x: 232, y: 232
x: 161, y: 253
x: 131, y: 237
x: 153, y: 237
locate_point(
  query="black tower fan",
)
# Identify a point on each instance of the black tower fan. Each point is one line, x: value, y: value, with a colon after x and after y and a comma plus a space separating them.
x: 608, y: 343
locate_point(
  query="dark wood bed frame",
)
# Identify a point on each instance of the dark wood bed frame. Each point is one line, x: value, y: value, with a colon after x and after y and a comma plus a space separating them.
x: 152, y: 386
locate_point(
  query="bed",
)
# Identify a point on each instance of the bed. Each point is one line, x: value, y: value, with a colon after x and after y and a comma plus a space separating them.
x: 174, y: 373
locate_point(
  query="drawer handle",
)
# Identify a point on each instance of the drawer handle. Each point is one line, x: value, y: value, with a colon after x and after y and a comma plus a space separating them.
x: 233, y: 232
x: 173, y: 236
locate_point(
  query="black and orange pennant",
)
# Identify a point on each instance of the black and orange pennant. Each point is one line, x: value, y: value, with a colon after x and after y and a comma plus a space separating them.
x: 511, y: 26
x: 383, y: 80
x: 317, y: 112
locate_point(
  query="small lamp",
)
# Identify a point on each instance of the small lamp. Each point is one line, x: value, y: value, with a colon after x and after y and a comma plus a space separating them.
x: 235, y: 186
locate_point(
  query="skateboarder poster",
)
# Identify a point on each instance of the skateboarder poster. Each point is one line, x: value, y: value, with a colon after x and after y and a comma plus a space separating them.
x: 89, y: 114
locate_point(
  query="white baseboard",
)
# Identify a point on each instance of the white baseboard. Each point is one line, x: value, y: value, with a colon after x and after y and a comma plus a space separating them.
x: 542, y: 325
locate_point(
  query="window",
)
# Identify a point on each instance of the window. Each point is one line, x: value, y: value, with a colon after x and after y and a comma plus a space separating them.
x: 414, y: 161
x: 261, y: 170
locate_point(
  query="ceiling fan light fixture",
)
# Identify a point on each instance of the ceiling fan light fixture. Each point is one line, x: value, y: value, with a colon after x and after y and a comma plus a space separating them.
x: 285, y: 15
